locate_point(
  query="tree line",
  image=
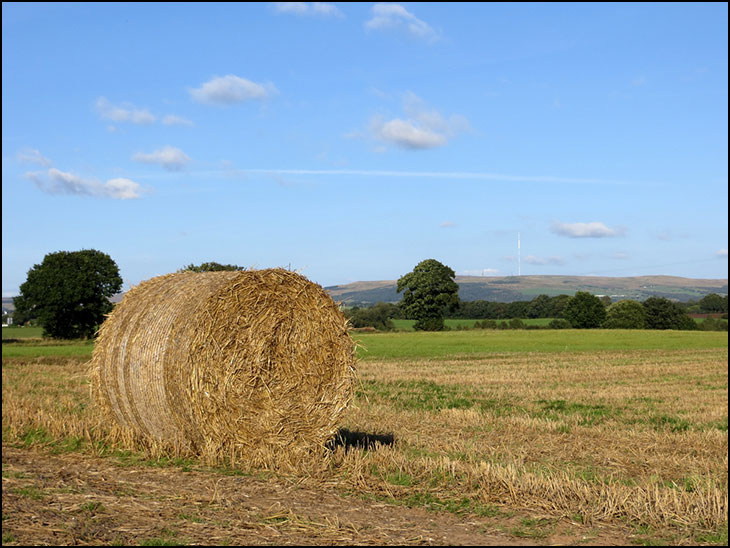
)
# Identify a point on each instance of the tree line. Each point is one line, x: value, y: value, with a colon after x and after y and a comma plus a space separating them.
x: 430, y: 294
x: 69, y: 293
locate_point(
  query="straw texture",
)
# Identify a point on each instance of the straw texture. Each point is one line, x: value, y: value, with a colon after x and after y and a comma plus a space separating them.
x: 253, y: 363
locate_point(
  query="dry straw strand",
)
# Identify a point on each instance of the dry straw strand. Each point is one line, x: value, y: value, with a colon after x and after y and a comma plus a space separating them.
x: 256, y: 364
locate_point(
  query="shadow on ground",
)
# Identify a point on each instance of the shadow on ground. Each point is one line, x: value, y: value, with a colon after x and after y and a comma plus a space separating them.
x: 358, y: 440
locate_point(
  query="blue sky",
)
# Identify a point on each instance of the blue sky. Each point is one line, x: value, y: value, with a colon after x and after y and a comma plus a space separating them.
x: 352, y: 141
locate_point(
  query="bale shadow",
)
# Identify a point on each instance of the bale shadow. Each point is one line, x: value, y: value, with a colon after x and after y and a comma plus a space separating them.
x: 358, y: 440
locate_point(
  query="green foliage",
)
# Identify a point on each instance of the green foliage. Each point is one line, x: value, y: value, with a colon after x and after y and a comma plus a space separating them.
x: 626, y: 314
x: 378, y: 316
x: 585, y: 311
x: 485, y: 324
x: 712, y: 324
x: 541, y: 306
x: 713, y: 303
x: 429, y: 291
x: 211, y: 267
x: 661, y: 313
x: 559, y: 323
x: 69, y: 292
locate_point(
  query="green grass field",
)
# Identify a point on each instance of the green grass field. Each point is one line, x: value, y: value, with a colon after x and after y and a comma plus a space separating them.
x: 12, y: 332
x: 404, y: 345
x: 373, y: 346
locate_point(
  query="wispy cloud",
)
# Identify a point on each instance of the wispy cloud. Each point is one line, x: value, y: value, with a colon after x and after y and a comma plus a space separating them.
x: 125, y: 112
x: 171, y: 158
x: 128, y: 113
x: 448, y: 224
x: 585, y: 230
x: 554, y: 260
x: 308, y: 8
x: 395, y: 16
x: 55, y: 181
x: 33, y: 156
x: 172, y: 120
x: 460, y: 175
x: 721, y: 253
x: 230, y: 90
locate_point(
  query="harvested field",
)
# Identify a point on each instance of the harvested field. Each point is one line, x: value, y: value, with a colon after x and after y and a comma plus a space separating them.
x: 598, y: 447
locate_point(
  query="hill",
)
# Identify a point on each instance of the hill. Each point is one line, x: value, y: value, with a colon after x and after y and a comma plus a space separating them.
x: 525, y: 288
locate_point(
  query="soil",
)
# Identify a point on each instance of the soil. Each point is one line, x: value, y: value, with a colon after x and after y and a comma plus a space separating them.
x: 73, y: 499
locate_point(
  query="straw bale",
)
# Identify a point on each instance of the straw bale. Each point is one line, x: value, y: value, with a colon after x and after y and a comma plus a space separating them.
x: 246, y: 362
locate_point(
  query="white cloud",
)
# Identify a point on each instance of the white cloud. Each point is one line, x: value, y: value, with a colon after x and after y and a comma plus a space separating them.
x: 33, y: 156
x: 230, y: 89
x: 172, y: 120
x: 171, y: 158
x: 308, y: 8
x: 620, y: 256
x: 423, y: 127
x: 532, y: 259
x: 55, y: 181
x: 585, y: 230
x: 124, y: 113
x: 395, y: 16
x: 407, y: 134
x: 448, y: 224
x: 721, y: 254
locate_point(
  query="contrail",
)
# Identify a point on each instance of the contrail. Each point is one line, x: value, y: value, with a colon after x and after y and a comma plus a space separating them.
x: 429, y: 174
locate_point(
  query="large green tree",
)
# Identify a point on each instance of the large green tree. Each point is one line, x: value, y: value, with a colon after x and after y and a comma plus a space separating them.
x: 713, y: 303
x: 69, y: 292
x: 626, y: 314
x: 585, y: 311
x: 428, y: 292
x: 661, y: 313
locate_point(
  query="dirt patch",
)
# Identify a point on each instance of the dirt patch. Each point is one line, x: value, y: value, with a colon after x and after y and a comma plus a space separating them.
x: 77, y: 500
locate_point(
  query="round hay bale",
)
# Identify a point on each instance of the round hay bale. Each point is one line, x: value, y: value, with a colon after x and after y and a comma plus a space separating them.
x: 254, y: 363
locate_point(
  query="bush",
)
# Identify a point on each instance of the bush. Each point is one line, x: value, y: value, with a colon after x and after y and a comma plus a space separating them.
x: 485, y: 324
x: 429, y: 324
x: 626, y: 314
x: 377, y: 316
x: 559, y: 323
x: 516, y: 323
x: 712, y: 324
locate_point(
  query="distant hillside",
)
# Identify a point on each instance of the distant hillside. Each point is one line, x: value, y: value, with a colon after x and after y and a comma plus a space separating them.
x: 525, y: 288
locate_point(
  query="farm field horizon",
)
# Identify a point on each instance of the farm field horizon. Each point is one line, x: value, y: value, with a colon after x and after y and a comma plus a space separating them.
x: 488, y: 437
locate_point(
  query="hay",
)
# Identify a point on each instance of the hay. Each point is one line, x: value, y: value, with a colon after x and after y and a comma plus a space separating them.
x: 252, y: 364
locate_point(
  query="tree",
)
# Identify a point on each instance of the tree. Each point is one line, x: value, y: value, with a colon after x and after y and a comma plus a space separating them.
x: 211, y: 267
x: 558, y: 305
x: 377, y: 316
x: 626, y: 314
x: 69, y: 292
x: 539, y: 307
x: 429, y: 291
x: 713, y: 303
x: 585, y: 311
x: 661, y: 313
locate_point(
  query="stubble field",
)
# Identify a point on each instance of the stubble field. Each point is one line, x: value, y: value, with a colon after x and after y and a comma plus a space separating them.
x: 601, y: 437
